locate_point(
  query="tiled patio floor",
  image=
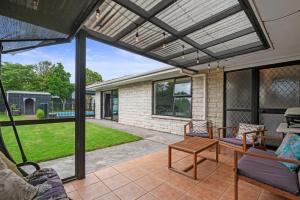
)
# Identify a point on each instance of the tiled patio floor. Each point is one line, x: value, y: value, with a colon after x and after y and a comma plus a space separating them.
x: 148, y: 178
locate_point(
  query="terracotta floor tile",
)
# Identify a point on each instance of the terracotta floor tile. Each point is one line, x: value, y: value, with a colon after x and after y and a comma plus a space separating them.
x: 244, y: 193
x: 270, y: 196
x: 116, y: 181
x: 186, y: 197
x: 148, y: 196
x: 69, y: 187
x: 166, y: 192
x: 74, y: 195
x: 203, y: 193
x: 89, y: 179
x: 106, y: 173
x: 217, y: 185
x: 149, y: 182
x: 181, y: 182
x: 135, y: 173
x: 93, y: 191
x: 122, y: 167
x: 109, y: 196
x: 130, y: 191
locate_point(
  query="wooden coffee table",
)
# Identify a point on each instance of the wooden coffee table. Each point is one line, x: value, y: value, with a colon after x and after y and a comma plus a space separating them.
x: 193, y: 146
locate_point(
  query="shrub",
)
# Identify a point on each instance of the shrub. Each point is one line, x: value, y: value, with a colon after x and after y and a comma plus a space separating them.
x: 13, y: 107
x: 40, y: 114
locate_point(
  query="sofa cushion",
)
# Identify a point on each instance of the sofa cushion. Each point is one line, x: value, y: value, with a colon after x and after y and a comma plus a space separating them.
x: 48, y: 183
x: 244, y: 128
x: 10, y: 165
x: 14, y: 187
x: 193, y: 133
x: 235, y: 141
x: 270, y: 172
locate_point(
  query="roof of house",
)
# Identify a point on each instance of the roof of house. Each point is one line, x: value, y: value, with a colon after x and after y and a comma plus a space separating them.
x: 26, y: 92
x: 162, y: 73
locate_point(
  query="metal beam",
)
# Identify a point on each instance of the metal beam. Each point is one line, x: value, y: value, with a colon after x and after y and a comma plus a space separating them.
x: 200, y: 25
x: 80, y: 68
x: 151, y: 13
x: 251, y: 15
x: 162, y: 25
x: 216, y: 42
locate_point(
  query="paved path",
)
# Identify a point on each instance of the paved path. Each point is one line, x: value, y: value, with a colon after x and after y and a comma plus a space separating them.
x: 95, y: 160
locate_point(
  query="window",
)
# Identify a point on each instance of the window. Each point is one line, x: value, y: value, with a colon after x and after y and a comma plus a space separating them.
x: 173, y: 97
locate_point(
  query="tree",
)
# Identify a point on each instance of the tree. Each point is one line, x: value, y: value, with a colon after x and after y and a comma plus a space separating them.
x: 43, y: 70
x: 59, y: 83
x: 19, y: 77
x: 92, y: 77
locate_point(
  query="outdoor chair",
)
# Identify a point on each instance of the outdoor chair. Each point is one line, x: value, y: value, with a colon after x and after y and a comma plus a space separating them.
x: 243, y: 136
x: 198, y: 128
x: 264, y: 169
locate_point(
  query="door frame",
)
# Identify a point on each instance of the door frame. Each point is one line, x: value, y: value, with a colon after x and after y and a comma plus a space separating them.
x: 255, y: 110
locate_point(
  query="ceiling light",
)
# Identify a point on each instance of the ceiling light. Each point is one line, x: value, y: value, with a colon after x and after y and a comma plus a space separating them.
x: 218, y: 67
x: 182, y: 52
x: 98, y: 14
x: 164, y: 44
x: 198, y: 60
x: 137, y: 39
x: 35, y: 4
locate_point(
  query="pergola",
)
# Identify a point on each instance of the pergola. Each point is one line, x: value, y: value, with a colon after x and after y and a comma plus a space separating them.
x: 182, y: 33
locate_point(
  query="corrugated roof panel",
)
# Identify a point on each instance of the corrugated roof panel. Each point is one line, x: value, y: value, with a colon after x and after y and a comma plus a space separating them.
x: 190, y: 57
x: 113, y: 19
x: 247, y: 39
x: 148, y: 34
x: 146, y: 4
x: 185, y: 13
x: 172, y: 48
x: 222, y: 28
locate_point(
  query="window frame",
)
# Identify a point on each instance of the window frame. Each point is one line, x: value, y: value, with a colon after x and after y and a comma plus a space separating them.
x: 174, y: 96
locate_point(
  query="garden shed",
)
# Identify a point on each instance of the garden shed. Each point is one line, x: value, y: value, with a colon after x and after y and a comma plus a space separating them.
x: 27, y: 102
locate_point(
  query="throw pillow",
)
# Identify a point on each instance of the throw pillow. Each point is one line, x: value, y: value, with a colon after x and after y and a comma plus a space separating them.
x: 244, y: 128
x: 200, y: 126
x: 283, y: 143
x: 10, y: 165
x: 291, y: 150
x: 15, y: 188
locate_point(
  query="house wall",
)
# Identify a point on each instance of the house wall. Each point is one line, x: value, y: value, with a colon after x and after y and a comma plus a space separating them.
x: 135, y: 104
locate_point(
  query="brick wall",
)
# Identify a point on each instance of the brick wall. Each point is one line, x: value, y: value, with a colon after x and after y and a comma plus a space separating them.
x: 135, y: 104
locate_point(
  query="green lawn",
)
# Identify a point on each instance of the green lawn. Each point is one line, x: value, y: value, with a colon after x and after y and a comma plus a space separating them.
x: 50, y: 141
x: 4, y: 117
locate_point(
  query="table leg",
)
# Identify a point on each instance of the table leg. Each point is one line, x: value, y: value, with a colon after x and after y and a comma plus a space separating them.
x: 169, y: 157
x: 217, y: 152
x: 195, y: 166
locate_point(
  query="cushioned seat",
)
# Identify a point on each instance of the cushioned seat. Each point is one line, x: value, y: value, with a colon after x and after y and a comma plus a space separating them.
x: 235, y: 141
x: 270, y: 172
x: 194, y: 133
x: 49, y: 184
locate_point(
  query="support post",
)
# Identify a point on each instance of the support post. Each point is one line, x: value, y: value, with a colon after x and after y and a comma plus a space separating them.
x: 80, y: 104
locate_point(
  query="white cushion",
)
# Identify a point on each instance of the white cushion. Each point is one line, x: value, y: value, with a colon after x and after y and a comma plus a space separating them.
x: 244, y: 128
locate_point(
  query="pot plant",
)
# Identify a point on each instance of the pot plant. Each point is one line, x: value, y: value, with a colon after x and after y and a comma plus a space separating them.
x: 15, y: 110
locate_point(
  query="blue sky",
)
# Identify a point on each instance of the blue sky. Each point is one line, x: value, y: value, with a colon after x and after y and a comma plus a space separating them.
x: 109, y: 61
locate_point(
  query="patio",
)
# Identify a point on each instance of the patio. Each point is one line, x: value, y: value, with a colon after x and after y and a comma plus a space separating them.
x: 148, y: 178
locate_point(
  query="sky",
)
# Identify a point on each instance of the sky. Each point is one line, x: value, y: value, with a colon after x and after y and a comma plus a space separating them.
x: 108, y: 61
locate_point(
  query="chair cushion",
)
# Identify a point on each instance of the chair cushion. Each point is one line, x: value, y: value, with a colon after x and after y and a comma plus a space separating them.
x: 235, y: 141
x: 193, y: 133
x: 49, y: 184
x: 244, y: 128
x: 2, y: 164
x: 270, y: 172
x: 10, y: 165
x: 14, y: 187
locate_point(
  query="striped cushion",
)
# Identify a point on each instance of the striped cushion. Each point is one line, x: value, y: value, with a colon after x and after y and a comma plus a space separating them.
x: 244, y: 128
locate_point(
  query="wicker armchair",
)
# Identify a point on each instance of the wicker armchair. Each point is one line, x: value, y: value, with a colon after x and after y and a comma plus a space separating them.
x: 244, y: 137
x: 198, y: 128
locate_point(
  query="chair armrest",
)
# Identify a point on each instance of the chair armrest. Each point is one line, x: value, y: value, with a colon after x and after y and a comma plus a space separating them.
x: 268, y: 157
x: 224, y: 128
x: 185, y: 126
